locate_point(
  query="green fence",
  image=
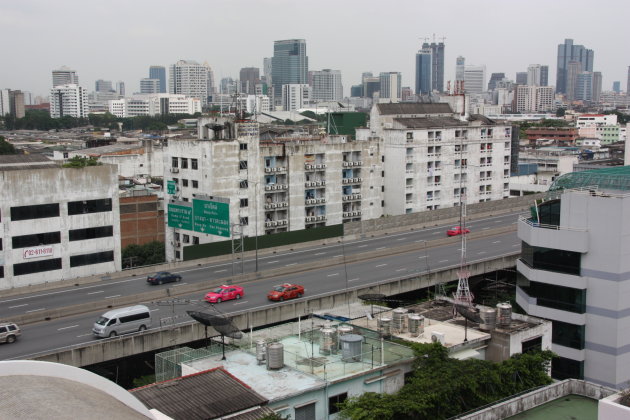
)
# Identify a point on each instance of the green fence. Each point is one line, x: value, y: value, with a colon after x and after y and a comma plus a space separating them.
x: 214, y: 249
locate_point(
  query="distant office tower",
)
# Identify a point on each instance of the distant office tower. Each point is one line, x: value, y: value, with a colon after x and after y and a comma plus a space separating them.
x: 494, y: 78
x: 356, y: 91
x: 628, y: 83
x: 424, y: 70
x: 544, y: 75
x: 437, y: 63
x: 159, y: 73
x: 12, y: 103
x: 4, y: 102
x: 189, y: 78
x: 64, y: 76
x: 103, y: 85
x: 534, y: 74
x: 474, y: 79
x: 69, y: 100
x: 326, y: 85
x: 521, y: 77
x: 391, y: 85
x: 295, y: 96
x: 616, y: 87
x: 210, y: 84
x: 532, y: 98
x: 227, y: 86
x: 597, y: 87
x: 371, y: 85
x: 584, y: 86
x: 406, y: 94
x: 574, y: 68
x: 289, y: 65
x: 365, y: 75
x: 120, y: 88
x: 149, y: 86
x: 267, y: 70
x: 460, y: 66
x: 567, y: 53
x: 249, y: 78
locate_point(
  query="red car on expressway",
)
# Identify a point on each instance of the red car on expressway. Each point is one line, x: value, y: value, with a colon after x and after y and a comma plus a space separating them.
x: 286, y: 291
x: 225, y: 292
x: 457, y: 230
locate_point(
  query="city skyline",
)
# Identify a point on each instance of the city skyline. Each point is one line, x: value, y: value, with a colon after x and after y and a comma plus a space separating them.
x: 140, y: 41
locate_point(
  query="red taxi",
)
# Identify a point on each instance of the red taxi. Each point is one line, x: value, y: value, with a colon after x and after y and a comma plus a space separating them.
x: 225, y: 292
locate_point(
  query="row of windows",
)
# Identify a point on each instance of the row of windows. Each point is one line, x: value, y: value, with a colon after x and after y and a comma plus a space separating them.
x: 194, y: 183
x: 49, y: 238
x: 91, y: 233
x: 55, y: 263
x: 42, y: 211
x: 549, y: 259
x: 568, y: 335
x: 557, y: 297
x: 183, y: 163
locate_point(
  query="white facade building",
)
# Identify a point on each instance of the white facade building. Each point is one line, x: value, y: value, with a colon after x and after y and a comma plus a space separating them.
x: 295, y: 96
x: 587, y: 120
x: 475, y: 79
x: 327, y: 85
x: 58, y: 223
x: 69, y: 100
x: 533, y: 98
x: 156, y: 104
x: 64, y: 76
x: 258, y: 103
x: 149, y: 86
x: 189, y: 78
x: 5, y: 107
x: 534, y: 74
x: 391, y: 86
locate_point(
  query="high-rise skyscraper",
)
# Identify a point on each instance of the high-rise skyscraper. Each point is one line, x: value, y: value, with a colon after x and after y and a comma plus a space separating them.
x: 574, y: 68
x: 628, y: 83
x: 437, y: 63
x: 371, y: 85
x: 494, y: 78
x: 189, y: 78
x: 210, y: 83
x: 326, y: 85
x: 149, y: 86
x: 391, y: 85
x: 289, y: 65
x: 534, y: 72
x: 474, y: 79
x: 544, y: 75
x: 616, y: 87
x: 567, y: 53
x: 64, y: 76
x: 460, y: 68
x: 69, y: 99
x: 103, y: 85
x: 249, y: 78
x: 597, y: 87
x: 521, y: 77
x: 159, y: 73
x: 267, y: 69
x: 424, y: 70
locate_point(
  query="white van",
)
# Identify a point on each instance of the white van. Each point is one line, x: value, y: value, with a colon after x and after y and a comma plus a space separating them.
x: 122, y: 320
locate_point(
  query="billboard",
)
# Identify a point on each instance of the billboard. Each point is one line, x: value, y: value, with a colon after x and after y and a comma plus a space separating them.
x: 203, y: 216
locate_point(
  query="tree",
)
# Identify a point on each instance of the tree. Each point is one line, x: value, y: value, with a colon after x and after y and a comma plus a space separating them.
x: 147, y: 254
x: 81, y: 162
x: 6, y: 148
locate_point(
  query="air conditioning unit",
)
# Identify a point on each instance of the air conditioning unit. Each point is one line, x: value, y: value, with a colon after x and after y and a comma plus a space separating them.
x: 323, y: 166
x: 274, y: 223
x: 174, y: 170
x: 178, y: 244
x: 308, y: 166
x: 346, y: 164
x: 267, y: 187
x: 438, y: 337
x: 274, y: 205
x: 267, y: 170
x: 360, y: 163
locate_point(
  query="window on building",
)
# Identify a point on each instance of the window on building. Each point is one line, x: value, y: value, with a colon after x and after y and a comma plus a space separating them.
x: 184, y: 163
x: 36, y: 239
x: 242, y: 164
x: 91, y: 233
x: 184, y: 182
x: 244, y: 221
x: 186, y: 239
x: 410, y: 135
x: 243, y: 183
x: 242, y: 146
x: 564, y: 368
x: 549, y: 259
x: 89, y: 206
x: 1, y: 271
x: 194, y: 164
x: 244, y: 202
x: 305, y: 412
x: 38, y: 211
x: 174, y: 162
x: 89, y: 259
x: 195, y: 240
x: 333, y: 402
x: 533, y: 344
x: 548, y: 213
x: 36, y: 266
x: 568, y: 335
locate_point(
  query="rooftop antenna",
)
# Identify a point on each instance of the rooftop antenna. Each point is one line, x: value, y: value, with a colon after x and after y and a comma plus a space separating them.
x: 222, y: 324
x: 462, y: 295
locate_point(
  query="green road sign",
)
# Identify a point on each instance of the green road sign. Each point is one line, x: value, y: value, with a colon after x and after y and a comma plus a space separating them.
x: 211, y: 217
x: 180, y: 216
x: 171, y: 187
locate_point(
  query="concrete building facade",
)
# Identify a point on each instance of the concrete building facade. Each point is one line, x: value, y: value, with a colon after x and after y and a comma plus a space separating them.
x: 154, y: 104
x: 296, y: 97
x: 189, y: 78
x: 390, y: 85
x: 532, y: 98
x: 326, y: 85
x: 71, y: 100
x: 64, y: 76
x: 289, y: 65
x: 475, y: 79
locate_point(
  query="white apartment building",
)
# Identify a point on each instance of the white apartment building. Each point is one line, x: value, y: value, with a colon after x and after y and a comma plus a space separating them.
x: 440, y: 157
x: 189, y: 78
x: 156, y: 104
x: 289, y: 184
x: 258, y: 103
x: 327, y: 85
x: 390, y: 86
x: 574, y: 271
x: 587, y: 120
x: 295, y: 96
x: 533, y: 98
x: 149, y: 86
x: 57, y: 223
x: 475, y: 79
x: 69, y: 100
x: 64, y: 76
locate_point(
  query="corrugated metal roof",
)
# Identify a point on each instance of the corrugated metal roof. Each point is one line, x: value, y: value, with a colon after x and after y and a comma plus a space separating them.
x: 431, y: 122
x: 414, y: 108
x: 21, y: 162
x: 205, y: 395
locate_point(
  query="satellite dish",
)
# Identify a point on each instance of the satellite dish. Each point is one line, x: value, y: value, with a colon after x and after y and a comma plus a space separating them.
x: 222, y: 324
x: 471, y: 313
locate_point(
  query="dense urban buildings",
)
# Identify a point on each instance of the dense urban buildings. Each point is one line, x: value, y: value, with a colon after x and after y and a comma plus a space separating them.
x: 289, y: 65
x: 249, y: 78
x: 567, y: 53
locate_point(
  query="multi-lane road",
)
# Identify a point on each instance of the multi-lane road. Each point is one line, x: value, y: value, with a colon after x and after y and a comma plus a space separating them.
x: 67, y: 331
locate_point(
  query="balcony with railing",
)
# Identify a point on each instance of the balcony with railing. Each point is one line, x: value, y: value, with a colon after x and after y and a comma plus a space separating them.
x: 552, y: 236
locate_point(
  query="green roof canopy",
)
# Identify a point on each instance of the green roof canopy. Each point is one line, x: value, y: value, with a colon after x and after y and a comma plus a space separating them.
x: 612, y: 178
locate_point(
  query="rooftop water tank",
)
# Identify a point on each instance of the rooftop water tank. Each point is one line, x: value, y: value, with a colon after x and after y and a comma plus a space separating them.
x: 504, y: 314
x: 261, y: 351
x: 327, y: 343
x: 384, y: 326
x: 399, y: 319
x: 275, y: 356
x: 416, y: 324
x: 488, y: 319
x: 351, y: 345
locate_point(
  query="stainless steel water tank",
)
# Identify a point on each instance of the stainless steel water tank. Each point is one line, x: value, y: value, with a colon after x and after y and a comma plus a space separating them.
x: 261, y: 351
x: 488, y: 318
x: 327, y: 343
x: 399, y: 319
x: 416, y: 324
x: 275, y: 356
x: 384, y: 326
x: 351, y: 346
x: 504, y: 314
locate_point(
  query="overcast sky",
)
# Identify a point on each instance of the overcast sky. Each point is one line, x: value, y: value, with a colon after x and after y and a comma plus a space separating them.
x: 120, y: 39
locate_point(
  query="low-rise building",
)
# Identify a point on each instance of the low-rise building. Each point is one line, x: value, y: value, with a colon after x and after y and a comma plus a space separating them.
x: 154, y: 104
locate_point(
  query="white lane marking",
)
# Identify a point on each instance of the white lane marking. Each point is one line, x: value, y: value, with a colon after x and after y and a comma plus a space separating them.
x: 153, y: 310
x: 486, y: 228
x: 481, y: 252
x: 96, y: 293
x: 289, y: 265
x: 436, y: 233
x: 383, y: 247
x: 273, y: 262
x: 35, y: 310
x: 334, y: 274
x: 442, y: 261
x: 361, y: 246
x: 240, y: 303
x: 84, y: 335
x: 337, y: 256
x: 111, y: 297
x: 67, y: 328
x: 353, y: 279
x: 179, y: 284
x: 401, y: 239
x: 401, y: 269
x: 420, y: 240
x: 424, y: 256
x: 496, y: 242
x: 18, y: 306
x: 320, y: 253
x: 515, y: 245
x: 498, y: 221
x: 221, y: 271
x: 380, y: 265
